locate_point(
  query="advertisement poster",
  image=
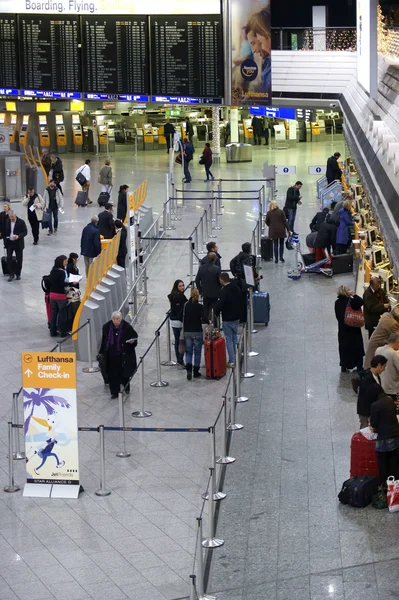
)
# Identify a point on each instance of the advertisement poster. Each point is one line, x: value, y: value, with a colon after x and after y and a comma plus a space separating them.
x: 367, y: 66
x: 251, y: 53
x: 50, y: 418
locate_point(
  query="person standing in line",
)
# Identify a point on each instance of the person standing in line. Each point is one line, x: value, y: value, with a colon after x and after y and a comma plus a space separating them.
x: 370, y: 387
x: 85, y: 170
x: 244, y: 258
x: 177, y: 301
x: 58, y: 298
x: 227, y: 133
x: 344, y: 235
x: 121, y: 209
x: 229, y: 304
x: 388, y: 323
x: 383, y: 420
x: 122, y: 250
x: 193, y: 316
x: 375, y: 304
x: 46, y: 161
x: 72, y: 267
x: 35, y: 214
x: 90, y: 243
x: 292, y: 201
x: 53, y: 202
x: 265, y: 132
x: 207, y: 158
x: 390, y: 377
x: 190, y: 132
x: 350, y: 339
x: 106, y: 223
x: 57, y: 171
x: 257, y: 130
x: 333, y: 171
x: 105, y: 177
x: 208, y: 284
x: 188, y: 157
x: 212, y: 247
x: 15, y: 233
x: 278, y: 228
x: 169, y: 133
x: 117, y: 353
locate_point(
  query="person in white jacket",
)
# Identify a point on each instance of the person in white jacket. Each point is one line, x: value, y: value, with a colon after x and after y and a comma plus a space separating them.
x: 35, y: 204
x: 86, y: 172
x: 54, y: 201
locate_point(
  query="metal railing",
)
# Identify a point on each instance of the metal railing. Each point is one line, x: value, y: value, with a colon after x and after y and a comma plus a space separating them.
x: 314, y: 38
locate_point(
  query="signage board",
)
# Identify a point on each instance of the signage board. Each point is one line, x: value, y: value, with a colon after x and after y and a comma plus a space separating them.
x: 285, y: 170
x: 251, y: 70
x: 273, y: 112
x: 50, y: 421
x: 367, y: 64
x: 249, y: 275
x: 317, y: 170
x: 9, y: 70
x: 99, y: 7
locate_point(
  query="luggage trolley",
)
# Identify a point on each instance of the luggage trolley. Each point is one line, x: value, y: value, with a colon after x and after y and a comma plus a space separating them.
x: 301, y: 268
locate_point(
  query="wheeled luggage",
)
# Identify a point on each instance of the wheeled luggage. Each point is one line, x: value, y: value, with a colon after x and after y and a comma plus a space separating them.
x: 358, y: 491
x: 81, y: 199
x: 363, y: 456
x: 266, y: 248
x: 4, y: 265
x: 103, y: 198
x: 261, y: 304
x: 215, y: 358
x: 342, y: 263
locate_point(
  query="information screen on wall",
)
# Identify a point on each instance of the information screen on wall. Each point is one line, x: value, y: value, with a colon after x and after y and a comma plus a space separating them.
x: 8, y: 52
x: 251, y: 69
x: 49, y: 53
x: 187, y: 56
x: 367, y: 67
x: 115, y: 56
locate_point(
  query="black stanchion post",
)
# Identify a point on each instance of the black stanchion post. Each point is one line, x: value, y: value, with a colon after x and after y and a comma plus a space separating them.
x: 12, y: 486
x: 224, y: 459
x: 158, y: 383
x: 211, y: 541
x: 123, y: 453
x: 142, y: 413
x: 102, y: 490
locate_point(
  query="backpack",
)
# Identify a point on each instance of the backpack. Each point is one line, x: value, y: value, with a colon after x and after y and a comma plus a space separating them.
x: 358, y: 491
x: 46, y: 284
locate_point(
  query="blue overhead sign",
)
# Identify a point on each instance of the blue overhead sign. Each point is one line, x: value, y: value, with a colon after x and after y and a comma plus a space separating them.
x: 185, y: 100
x: 118, y: 97
x: 58, y: 95
x: 8, y: 92
x: 273, y: 112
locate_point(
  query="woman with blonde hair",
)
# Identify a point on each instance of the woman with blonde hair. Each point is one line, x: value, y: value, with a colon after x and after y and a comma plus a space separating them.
x: 388, y: 323
x: 350, y: 339
x: 278, y: 227
x: 193, y: 314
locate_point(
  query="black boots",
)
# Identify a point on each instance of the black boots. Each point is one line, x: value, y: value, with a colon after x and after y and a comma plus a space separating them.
x: 196, y: 372
x: 189, y: 369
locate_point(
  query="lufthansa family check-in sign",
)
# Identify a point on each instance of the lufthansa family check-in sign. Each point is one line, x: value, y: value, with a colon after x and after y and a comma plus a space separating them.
x: 50, y: 418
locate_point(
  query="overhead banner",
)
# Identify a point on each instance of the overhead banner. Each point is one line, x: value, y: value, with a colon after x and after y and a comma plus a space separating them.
x: 100, y: 7
x: 367, y: 58
x: 251, y: 75
x: 50, y: 418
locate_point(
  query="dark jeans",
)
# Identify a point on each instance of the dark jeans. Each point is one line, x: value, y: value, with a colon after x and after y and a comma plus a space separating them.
x: 186, y: 172
x: 209, y: 304
x: 257, y: 138
x: 59, y: 317
x: 208, y: 172
x: 14, y: 248
x: 176, y: 333
x: 34, y: 223
x: 388, y: 464
x: 276, y: 243
x: 291, y: 218
x: 53, y: 214
x: 194, y: 343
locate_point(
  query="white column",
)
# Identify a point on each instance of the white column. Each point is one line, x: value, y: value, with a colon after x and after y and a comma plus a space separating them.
x: 319, y: 23
x: 216, y: 134
x: 234, y: 138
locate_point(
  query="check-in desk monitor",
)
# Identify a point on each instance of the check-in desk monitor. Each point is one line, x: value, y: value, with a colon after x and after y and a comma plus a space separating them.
x: 44, y: 134
x: 60, y: 134
x: 148, y: 136
x: 23, y: 134
x: 77, y: 135
x: 102, y: 137
x: 248, y: 131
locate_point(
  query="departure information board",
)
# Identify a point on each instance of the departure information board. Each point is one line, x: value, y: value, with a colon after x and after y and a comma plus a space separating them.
x: 187, y: 56
x: 115, y: 55
x: 8, y: 52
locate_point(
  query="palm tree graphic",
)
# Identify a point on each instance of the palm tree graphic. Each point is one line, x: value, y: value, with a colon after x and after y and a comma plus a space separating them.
x: 41, y: 397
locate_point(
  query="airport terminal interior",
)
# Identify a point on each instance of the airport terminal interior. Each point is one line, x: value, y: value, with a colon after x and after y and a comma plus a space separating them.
x: 220, y: 488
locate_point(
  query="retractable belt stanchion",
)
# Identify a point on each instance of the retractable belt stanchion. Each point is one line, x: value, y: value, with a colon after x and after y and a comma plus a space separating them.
x: 168, y: 362
x: 251, y: 314
x: 216, y: 495
x: 211, y: 235
x: 142, y: 413
x: 17, y: 455
x: 206, y: 230
x: 200, y: 567
x: 219, y: 199
x: 211, y: 541
x: 250, y: 326
x: 225, y: 459
x: 237, y: 378
x: 123, y: 453
x: 203, y: 242
x: 102, y: 490
x: 90, y: 368
x: 195, y: 247
x: 12, y: 486
x: 246, y: 374
x: 158, y: 383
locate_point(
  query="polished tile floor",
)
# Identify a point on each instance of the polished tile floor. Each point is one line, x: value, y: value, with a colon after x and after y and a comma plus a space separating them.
x: 285, y: 534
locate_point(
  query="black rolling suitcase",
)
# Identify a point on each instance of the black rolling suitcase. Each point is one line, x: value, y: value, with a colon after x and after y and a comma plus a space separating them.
x: 4, y: 265
x: 342, y: 263
x: 266, y: 249
x: 81, y: 199
x: 103, y: 199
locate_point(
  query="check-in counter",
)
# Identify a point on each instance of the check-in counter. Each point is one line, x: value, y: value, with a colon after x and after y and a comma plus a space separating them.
x: 239, y: 152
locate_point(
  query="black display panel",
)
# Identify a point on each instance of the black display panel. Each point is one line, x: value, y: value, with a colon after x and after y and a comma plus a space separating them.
x: 50, y: 57
x: 115, y: 56
x: 8, y: 52
x: 187, y: 56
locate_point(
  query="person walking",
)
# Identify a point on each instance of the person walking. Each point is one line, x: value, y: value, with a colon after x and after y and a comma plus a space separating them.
x: 350, y: 340
x: 122, y: 250
x: 56, y: 171
x: 169, y: 133
x: 208, y: 284
x: 90, y: 242
x: 333, y: 171
x: 35, y: 205
x: 278, y: 228
x: 58, y: 298
x: 292, y: 201
x: 105, y: 178
x: 370, y: 387
x: 390, y: 377
x: 85, y: 171
x: 344, y: 235
x: 190, y: 132
x: 265, y: 132
x: 45, y: 159
x: 121, y: 209
x: 4, y: 219
x: 375, y: 304
x: 388, y: 323
x: 177, y: 301
x: 227, y: 133
x: 193, y: 316
x: 229, y: 305
x: 15, y: 232
x: 207, y: 160
x: 117, y: 354
x: 188, y: 157
x: 106, y: 224
x: 383, y: 420
x: 54, y: 202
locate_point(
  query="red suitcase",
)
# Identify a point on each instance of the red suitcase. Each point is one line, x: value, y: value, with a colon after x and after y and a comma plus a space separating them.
x: 363, y: 456
x: 215, y: 358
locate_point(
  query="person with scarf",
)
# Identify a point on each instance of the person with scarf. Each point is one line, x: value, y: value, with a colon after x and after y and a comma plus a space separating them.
x: 117, y: 355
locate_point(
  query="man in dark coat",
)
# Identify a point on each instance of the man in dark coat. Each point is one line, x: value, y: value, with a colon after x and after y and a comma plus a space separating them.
x: 208, y: 284
x: 318, y: 219
x: 245, y: 257
x: 333, y: 171
x: 169, y: 132
x: 212, y: 247
x: 325, y: 238
x: 257, y: 130
x: 122, y: 251
x: 106, y: 222
x: 90, y: 242
x: 15, y: 232
x: 375, y: 304
x: 291, y: 203
x: 370, y: 388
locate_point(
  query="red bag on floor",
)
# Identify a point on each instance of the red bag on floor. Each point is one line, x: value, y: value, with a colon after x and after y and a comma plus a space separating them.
x: 393, y: 494
x: 215, y: 358
x: 363, y: 457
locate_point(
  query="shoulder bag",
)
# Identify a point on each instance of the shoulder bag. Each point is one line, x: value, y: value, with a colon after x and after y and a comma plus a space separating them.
x: 353, y: 318
x: 80, y: 178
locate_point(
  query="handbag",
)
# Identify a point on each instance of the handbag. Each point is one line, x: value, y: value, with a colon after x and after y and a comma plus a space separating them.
x: 393, y: 494
x: 201, y: 161
x: 80, y: 178
x: 353, y: 318
x: 178, y: 159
